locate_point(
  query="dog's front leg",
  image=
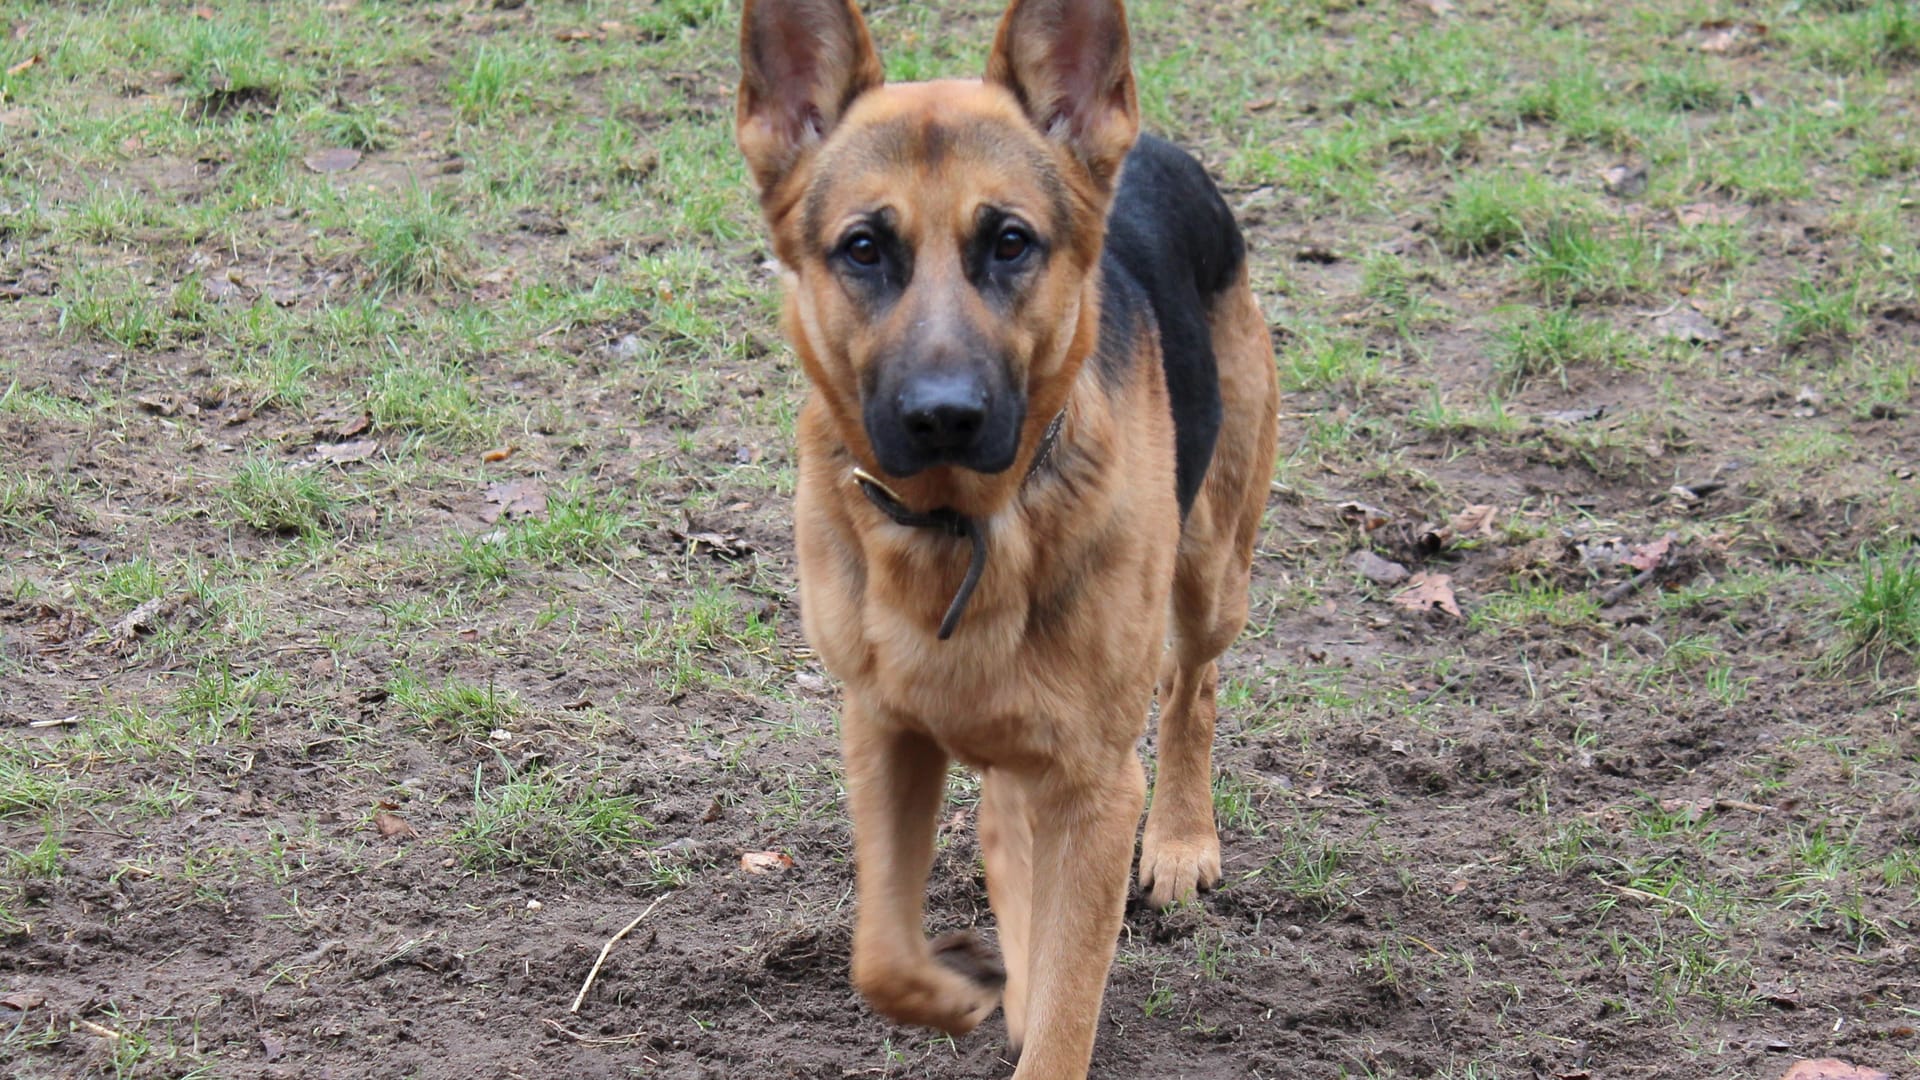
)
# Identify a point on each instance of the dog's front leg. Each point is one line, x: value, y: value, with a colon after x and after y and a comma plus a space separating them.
x: 895, y: 782
x: 1082, y: 857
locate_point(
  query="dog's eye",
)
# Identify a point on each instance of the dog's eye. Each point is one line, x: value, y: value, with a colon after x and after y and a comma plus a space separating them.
x: 862, y: 248
x: 1011, y: 244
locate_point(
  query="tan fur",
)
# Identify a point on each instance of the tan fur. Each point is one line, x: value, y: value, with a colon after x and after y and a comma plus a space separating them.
x: 1046, y: 687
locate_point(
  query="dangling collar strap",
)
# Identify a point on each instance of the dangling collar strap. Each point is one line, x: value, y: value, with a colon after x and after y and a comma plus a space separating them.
x: 953, y: 522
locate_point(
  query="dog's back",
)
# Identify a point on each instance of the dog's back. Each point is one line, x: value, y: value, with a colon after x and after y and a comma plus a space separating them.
x: 1172, y: 247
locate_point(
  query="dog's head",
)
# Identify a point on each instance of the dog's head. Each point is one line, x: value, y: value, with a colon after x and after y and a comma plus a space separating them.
x: 937, y: 238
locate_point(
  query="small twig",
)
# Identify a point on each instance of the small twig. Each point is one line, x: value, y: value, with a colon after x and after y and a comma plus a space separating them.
x: 594, y: 1040
x: 95, y: 1029
x: 405, y: 948
x: 607, y: 948
x: 65, y: 721
x: 1656, y: 898
x: 1423, y: 944
x: 1628, y: 587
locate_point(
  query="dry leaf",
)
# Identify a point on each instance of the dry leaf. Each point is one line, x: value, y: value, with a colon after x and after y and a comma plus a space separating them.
x: 517, y: 498
x: 1647, y: 556
x: 1427, y: 592
x: 725, y: 545
x: 574, y: 35
x: 1831, y: 1069
x: 393, y: 826
x: 1435, y: 7
x: 1477, y: 518
x: 1703, y: 213
x: 22, y: 1000
x: 1625, y: 181
x: 346, y: 453
x: 1376, y: 569
x: 1730, y: 38
x: 24, y: 64
x: 335, y: 159
x: 1367, y: 517
x: 1688, y: 325
x: 1689, y: 809
x: 500, y: 454
x: 355, y: 426
x: 765, y: 862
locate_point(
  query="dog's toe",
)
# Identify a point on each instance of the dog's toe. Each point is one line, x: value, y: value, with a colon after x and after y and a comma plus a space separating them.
x: 968, y: 955
x: 953, y: 990
x: 1172, y: 871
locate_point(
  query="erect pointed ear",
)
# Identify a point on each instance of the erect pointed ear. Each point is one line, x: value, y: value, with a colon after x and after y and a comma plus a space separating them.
x: 802, y: 62
x: 1068, y: 62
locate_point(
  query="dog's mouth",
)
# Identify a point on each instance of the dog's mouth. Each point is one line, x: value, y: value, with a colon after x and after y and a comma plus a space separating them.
x: 969, y: 417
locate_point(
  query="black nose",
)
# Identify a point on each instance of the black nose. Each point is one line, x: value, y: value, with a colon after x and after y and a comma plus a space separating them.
x: 943, y: 412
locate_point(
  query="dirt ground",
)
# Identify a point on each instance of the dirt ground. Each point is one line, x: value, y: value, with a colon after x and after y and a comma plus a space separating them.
x: 395, y: 455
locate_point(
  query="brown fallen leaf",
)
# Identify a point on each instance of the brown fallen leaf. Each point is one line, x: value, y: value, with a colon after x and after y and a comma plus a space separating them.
x: 1376, y: 569
x: 1625, y: 181
x: 766, y: 862
x: 498, y: 454
x: 1688, y: 809
x: 725, y: 545
x: 23, y: 65
x: 1831, y: 1069
x: 393, y: 826
x: 345, y: 453
x: 1367, y: 517
x: 1722, y: 37
x: 1477, y: 518
x: 1427, y: 592
x: 334, y: 159
x: 22, y: 1000
x: 1435, y: 7
x: 1648, y: 556
x: 1688, y: 325
x: 574, y: 35
x: 1703, y: 213
x: 515, y: 498
x: 355, y: 426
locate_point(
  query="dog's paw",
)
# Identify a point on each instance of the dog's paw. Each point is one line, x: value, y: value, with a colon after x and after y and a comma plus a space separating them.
x: 1172, y: 870
x: 953, y: 991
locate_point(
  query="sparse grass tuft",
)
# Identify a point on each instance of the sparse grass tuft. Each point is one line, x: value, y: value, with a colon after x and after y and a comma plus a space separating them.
x: 277, y: 498
x: 420, y: 243
x: 1578, y: 260
x: 1820, y: 313
x: 1549, y: 342
x: 542, y: 822
x: 455, y: 709
x: 1880, y: 605
x: 1494, y: 212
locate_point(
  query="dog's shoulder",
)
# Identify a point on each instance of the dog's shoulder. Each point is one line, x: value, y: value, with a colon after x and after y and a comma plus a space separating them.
x: 1172, y: 247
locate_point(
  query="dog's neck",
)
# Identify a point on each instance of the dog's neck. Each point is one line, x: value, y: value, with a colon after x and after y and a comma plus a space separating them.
x: 954, y: 523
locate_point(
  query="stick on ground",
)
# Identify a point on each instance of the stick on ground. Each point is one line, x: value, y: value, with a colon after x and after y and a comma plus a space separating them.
x: 608, y: 947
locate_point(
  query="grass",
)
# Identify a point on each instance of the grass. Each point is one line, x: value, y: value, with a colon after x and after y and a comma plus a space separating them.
x: 1548, y: 343
x: 544, y: 823
x: 1879, y: 605
x: 418, y: 243
x: 548, y: 268
x: 275, y: 497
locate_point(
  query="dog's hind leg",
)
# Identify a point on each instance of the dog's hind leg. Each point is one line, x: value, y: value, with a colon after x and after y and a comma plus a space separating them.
x: 896, y: 780
x: 1006, y: 844
x: 1180, y: 849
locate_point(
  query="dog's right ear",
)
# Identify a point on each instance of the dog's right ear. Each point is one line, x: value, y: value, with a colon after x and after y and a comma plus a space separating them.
x: 802, y: 62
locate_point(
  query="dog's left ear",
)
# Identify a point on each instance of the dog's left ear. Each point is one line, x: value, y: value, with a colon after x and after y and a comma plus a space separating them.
x: 802, y: 62
x: 1068, y: 61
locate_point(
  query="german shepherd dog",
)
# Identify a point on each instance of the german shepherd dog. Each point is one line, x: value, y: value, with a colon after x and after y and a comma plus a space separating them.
x: 1033, y: 462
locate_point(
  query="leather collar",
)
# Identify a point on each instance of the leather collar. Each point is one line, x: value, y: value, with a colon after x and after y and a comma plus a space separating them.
x: 953, y: 523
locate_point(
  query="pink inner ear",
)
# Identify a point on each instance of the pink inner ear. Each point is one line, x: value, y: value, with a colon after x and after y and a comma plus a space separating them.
x: 1083, y: 52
